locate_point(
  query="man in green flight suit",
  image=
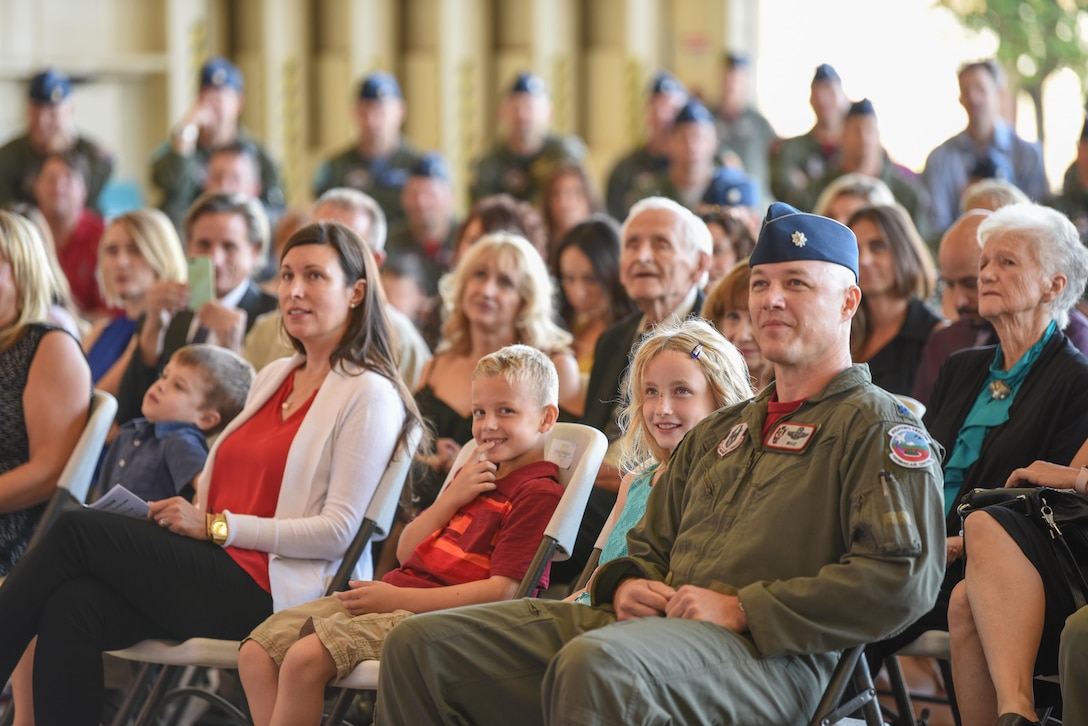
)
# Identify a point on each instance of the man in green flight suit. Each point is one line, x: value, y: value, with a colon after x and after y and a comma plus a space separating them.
x: 798, y: 163
x: 179, y: 167
x: 521, y: 162
x: 786, y: 528
x: 381, y: 159
x: 50, y: 129
x: 636, y: 170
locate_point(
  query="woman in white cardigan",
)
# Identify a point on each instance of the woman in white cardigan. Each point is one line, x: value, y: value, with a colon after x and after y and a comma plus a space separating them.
x: 283, y: 493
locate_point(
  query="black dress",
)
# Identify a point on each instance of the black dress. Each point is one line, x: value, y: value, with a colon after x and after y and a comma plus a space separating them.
x: 16, y: 527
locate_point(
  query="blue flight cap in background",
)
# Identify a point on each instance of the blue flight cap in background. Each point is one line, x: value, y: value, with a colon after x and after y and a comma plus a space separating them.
x: 379, y: 85
x: 824, y: 72
x: 431, y: 166
x: 665, y: 82
x: 789, y: 234
x: 50, y: 86
x: 731, y: 187
x: 529, y: 83
x: 221, y: 73
x: 736, y: 60
x: 693, y: 112
x: 864, y: 107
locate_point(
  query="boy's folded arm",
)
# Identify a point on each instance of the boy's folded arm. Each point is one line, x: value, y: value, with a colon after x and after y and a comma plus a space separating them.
x: 427, y: 599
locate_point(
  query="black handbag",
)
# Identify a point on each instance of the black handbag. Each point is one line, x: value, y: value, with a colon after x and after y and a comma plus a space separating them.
x: 1061, y: 513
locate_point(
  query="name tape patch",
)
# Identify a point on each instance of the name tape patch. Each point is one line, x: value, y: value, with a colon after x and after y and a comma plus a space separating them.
x: 794, y: 437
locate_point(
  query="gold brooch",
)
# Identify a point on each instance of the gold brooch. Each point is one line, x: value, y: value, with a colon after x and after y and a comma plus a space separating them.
x: 999, y: 390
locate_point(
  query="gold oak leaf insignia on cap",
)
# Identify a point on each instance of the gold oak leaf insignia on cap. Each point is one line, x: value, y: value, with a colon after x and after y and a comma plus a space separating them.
x: 799, y: 239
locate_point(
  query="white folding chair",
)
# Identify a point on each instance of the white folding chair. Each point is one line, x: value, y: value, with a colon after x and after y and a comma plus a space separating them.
x: 75, y: 478
x: 215, y: 653
x: 578, y: 450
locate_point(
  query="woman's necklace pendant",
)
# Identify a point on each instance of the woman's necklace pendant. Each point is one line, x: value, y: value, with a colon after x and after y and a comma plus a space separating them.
x: 999, y: 390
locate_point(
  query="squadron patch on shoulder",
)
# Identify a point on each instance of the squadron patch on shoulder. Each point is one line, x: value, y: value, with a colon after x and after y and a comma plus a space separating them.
x: 909, y: 447
x: 733, y: 439
x: 791, y: 437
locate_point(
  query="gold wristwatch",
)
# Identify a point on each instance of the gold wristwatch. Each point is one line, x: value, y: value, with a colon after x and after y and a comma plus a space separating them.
x: 217, y: 529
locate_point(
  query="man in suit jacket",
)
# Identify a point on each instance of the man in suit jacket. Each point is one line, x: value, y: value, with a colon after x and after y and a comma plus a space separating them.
x: 231, y: 230
x: 663, y: 260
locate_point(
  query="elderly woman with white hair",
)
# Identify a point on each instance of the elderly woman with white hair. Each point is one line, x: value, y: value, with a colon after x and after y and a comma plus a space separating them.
x: 997, y: 408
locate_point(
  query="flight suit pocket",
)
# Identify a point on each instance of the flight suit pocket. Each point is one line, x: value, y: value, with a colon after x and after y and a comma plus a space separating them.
x: 885, y: 519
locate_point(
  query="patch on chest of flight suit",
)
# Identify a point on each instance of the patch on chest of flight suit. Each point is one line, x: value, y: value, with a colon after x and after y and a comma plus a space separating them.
x: 733, y: 439
x: 791, y: 437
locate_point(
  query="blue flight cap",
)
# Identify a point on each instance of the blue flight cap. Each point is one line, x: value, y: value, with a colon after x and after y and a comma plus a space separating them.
x: 824, y: 72
x: 789, y: 234
x: 50, y: 86
x: 731, y: 187
x: 431, y: 166
x: 736, y: 60
x: 529, y: 83
x: 379, y: 85
x: 221, y: 73
x: 864, y: 107
x: 665, y: 82
x: 693, y: 112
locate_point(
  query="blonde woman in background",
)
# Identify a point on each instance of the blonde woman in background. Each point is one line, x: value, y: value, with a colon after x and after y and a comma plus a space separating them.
x: 137, y: 249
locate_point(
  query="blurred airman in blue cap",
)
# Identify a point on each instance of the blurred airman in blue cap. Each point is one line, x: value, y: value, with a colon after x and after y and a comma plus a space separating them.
x: 693, y: 144
x: 427, y: 231
x: 798, y: 164
x: 862, y: 153
x: 741, y: 128
x: 179, y: 167
x: 732, y: 210
x: 637, y: 170
x: 50, y: 129
x: 523, y: 159
x: 380, y: 160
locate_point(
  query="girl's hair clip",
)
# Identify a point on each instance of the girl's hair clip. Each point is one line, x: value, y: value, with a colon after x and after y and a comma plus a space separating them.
x: 697, y: 350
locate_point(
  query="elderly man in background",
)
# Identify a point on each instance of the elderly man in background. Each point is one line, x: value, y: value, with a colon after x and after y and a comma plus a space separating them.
x: 50, y: 129
x: 267, y: 340
x: 786, y: 528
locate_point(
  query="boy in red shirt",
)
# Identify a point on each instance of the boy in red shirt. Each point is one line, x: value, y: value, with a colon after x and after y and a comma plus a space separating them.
x: 472, y: 545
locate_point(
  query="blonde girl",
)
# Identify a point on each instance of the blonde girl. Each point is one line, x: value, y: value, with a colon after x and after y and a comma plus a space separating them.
x: 681, y: 373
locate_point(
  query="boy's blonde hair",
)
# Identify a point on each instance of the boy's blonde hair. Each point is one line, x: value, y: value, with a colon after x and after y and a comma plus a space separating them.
x: 523, y: 365
x: 721, y: 362
x: 227, y: 378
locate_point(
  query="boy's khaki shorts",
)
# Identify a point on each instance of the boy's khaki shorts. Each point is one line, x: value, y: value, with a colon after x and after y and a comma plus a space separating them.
x: 349, y: 639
